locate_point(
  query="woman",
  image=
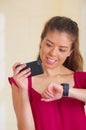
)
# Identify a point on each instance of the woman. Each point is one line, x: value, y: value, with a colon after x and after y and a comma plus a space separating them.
x: 43, y: 102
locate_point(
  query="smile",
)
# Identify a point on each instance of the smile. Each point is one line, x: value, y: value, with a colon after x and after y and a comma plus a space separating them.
x: 51, y: 61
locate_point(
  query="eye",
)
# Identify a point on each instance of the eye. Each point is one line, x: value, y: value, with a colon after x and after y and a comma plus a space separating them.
x: 48, y: 44
x: 62, y: 50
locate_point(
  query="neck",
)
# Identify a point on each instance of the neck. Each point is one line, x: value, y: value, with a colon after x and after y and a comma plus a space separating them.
x: 55, y: 71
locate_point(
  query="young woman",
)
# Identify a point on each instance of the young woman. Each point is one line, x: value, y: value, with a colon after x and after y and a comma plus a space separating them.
x: 43, y: 102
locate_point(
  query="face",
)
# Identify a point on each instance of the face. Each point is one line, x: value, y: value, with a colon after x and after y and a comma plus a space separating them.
x: 55, y: 48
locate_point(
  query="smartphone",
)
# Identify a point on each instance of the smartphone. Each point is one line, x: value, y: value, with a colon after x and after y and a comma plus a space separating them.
x: 36, y: 67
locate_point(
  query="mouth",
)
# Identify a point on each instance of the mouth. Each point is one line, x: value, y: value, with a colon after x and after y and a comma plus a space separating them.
x: 51, y: 60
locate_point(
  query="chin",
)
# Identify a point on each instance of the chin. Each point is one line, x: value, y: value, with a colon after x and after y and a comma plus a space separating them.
x: 51, y: 66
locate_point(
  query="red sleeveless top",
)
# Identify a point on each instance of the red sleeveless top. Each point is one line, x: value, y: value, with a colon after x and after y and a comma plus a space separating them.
x: 63, y: 114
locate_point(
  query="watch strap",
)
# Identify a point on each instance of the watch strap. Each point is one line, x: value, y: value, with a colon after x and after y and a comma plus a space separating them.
x: 65, y: 89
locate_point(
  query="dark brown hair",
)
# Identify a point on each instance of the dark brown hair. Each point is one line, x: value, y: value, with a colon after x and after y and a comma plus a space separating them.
x: 64, y: 24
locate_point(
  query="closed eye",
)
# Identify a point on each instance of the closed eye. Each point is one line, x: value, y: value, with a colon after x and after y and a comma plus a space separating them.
x: 62, y: 50
x: 48, y: 44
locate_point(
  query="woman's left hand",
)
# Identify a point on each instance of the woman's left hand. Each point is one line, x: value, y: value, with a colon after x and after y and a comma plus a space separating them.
x: 53, y: 92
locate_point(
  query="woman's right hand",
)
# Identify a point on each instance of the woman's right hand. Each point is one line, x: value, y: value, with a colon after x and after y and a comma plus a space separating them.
x: 21, y: 77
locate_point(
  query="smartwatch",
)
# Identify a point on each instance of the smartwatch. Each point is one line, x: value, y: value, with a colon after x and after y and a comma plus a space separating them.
x: 65, y: 89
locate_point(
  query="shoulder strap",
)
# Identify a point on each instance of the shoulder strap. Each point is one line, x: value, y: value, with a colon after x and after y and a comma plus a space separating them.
x: 29, y: 86
x: 11, y: 80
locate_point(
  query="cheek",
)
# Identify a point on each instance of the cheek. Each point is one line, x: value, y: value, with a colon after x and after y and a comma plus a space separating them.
x: 43, y: 53
x: 43, y: 50
x: 63, y: 57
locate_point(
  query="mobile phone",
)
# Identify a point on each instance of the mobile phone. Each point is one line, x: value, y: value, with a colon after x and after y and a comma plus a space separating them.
x: 36, y: 67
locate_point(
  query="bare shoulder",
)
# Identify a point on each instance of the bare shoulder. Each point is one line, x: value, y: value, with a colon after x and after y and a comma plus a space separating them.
x: 67, y: 72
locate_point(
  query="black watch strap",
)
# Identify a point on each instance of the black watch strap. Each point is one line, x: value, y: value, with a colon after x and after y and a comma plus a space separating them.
x: 65, y: 89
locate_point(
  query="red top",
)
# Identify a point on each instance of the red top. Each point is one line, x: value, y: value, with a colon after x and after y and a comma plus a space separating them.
x: 63, y: 114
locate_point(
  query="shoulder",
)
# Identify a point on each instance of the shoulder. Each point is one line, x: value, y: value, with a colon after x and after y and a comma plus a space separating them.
x: 80, y: 74
x: 80, y: 79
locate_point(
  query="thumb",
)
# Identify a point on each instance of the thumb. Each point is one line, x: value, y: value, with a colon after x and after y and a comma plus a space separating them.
x: 52, y: 87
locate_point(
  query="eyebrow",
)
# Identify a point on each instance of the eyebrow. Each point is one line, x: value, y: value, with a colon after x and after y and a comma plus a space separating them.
x: 49, y: 41
x: 53, y: 43
x: 64, y: 46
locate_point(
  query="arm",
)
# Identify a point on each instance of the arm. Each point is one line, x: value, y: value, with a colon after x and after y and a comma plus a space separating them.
x: 77, y: 93
x: 22, y: 109
x: 55, y: 91
x: 20, y: 98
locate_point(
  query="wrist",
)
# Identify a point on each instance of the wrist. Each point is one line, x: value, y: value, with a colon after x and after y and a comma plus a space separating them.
x: 65, y: 89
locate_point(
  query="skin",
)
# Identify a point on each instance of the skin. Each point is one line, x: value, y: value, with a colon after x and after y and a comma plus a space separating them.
x: 20, y: 98
x: 54, y: 49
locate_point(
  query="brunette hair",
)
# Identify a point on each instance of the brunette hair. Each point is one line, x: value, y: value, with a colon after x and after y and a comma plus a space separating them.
x: 64, y: 24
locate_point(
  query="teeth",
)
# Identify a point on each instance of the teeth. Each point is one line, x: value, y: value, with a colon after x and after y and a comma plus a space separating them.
x: 51, y: 60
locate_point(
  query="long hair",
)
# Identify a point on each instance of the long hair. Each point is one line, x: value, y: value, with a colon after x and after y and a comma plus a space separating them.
x: 64, y: 24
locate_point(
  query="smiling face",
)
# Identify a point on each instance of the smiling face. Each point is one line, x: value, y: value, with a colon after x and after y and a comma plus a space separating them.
x: 55, y: 48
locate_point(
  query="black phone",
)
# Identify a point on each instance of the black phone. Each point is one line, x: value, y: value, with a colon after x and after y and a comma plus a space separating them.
x: 36, y: 67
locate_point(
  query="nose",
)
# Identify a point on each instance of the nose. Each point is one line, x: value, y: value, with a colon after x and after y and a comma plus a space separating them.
x: 53, y: 51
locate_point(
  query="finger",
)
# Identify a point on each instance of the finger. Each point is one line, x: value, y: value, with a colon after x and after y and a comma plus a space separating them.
x: 26, y: 73
x: 47, y: 95
x: 16, y: 64
x: 44, y: 95
x: 58, y: 88
x: 50, y: 95
x: 19, y: 68
x: 46, y: 100
x: 51, y: 87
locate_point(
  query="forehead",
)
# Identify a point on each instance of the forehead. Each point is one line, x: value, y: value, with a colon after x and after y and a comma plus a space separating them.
x: 57, y: 36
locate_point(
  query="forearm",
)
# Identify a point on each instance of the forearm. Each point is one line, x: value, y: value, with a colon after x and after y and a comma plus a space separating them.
x: 79, y: 94
x: 25, y: 119
x: 55, y: 92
